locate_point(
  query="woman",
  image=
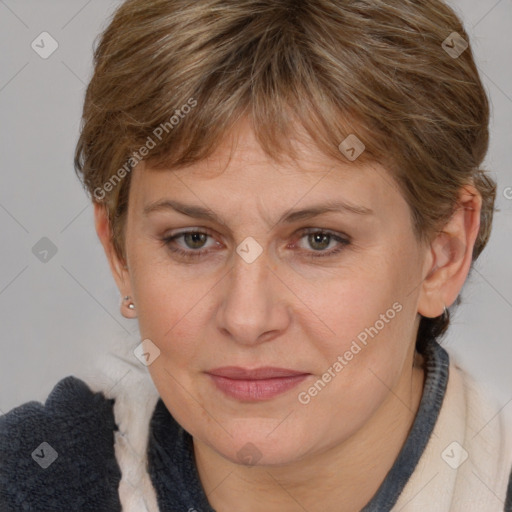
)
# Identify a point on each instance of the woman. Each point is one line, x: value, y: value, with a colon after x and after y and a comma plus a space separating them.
x: 290, y: 199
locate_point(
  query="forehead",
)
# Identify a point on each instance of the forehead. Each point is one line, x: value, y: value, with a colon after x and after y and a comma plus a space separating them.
x: 239, y: 174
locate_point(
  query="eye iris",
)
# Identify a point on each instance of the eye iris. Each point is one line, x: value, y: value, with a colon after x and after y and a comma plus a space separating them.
x: 196, y: 238
x: 319, y: 238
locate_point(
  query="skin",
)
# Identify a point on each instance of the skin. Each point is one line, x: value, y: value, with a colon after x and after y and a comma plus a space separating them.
x: 287, y: 310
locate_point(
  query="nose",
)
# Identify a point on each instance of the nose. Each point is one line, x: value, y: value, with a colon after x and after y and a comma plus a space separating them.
x: 254, y: 307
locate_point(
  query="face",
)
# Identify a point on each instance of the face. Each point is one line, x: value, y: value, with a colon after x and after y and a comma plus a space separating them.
x: 332, y: 296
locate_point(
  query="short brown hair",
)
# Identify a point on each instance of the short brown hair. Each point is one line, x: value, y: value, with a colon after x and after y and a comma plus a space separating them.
x: 373, y: 68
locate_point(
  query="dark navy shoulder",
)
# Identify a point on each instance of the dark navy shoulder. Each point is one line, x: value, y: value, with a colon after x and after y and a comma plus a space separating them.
x: 508, y: 499
x: 60, y: 455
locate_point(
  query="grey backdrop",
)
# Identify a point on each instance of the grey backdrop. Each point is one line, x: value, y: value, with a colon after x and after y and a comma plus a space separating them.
x: 59, y: 309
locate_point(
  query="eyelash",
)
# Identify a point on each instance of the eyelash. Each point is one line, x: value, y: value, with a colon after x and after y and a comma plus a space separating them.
x: 168, y: 241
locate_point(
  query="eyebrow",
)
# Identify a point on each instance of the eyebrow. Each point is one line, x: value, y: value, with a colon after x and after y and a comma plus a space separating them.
x: 288, y: 217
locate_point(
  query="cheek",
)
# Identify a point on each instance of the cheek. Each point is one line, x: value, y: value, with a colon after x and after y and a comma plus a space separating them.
x: 364, y: 306
x: 172, y: 318
x: 370, y: 341
x: 175, y: 313
x: 361, y: 364
x: 168, y: 310
x: 371, y: 320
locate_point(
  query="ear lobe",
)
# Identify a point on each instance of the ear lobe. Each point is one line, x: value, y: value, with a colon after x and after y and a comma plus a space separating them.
x: 104, y: 232
x: 451, y: 254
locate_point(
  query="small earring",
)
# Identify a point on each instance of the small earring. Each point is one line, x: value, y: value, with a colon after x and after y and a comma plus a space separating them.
x: 445, y: 313
x: 131, y: 305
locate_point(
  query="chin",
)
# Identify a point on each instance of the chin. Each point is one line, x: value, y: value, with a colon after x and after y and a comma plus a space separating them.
x: 261, y: 449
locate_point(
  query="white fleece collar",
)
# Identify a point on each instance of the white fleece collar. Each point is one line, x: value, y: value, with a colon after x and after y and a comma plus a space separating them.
x: 466, y: 465
x: 120, y: 375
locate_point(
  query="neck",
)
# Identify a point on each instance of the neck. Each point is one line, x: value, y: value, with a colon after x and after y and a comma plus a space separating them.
x: 345, y: 476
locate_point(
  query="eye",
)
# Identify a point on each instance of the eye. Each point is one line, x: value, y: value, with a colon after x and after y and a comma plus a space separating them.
x: 317, y: 239
x: 192, y: 239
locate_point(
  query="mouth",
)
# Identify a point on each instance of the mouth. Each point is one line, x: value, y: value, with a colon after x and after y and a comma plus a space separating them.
x: 257, y: 384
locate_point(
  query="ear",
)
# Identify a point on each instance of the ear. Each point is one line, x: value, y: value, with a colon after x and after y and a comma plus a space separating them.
x: 118, y: 266
x: 450, y: 255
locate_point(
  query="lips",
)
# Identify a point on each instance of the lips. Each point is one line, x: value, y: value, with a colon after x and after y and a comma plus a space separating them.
x: 267, y: 372
x: 255, y: 385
